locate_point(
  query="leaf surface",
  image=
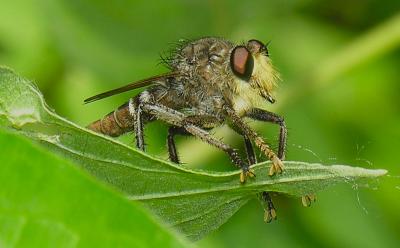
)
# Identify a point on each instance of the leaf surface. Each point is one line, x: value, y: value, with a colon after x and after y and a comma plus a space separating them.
x: 45, y: 201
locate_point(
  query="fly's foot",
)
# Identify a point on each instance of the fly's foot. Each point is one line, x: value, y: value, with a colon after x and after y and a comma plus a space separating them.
x: 276, y: 166
x: 269, y: 211
x: 269, y: 215
x: 308, y: 199
x: 246, y: 172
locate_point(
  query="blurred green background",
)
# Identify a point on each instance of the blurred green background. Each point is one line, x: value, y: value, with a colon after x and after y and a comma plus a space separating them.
x: 339, y: 61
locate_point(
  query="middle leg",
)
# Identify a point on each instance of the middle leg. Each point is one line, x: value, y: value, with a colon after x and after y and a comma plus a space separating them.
x: 172, y: 152
x: 178, y: 119
x: 269, y: 209
x: 204, y: 121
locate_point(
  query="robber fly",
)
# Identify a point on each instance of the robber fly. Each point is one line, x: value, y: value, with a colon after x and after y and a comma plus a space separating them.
x: 211, y: 81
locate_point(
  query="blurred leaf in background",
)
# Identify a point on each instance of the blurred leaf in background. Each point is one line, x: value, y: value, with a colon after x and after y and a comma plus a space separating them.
x: 75, y: 48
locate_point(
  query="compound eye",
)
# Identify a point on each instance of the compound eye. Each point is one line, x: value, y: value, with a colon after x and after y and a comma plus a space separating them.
x: 257, y: 46
x: 242, y: 62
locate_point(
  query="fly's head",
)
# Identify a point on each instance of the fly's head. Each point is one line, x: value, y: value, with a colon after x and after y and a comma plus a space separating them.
x: 253, y: 71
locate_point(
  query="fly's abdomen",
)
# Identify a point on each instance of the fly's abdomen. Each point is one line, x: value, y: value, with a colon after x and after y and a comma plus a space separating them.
x: 115, y: 123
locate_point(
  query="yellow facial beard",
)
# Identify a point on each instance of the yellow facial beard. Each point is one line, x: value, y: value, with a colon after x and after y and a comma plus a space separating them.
x: 264, y: 76
x: 248, y: 95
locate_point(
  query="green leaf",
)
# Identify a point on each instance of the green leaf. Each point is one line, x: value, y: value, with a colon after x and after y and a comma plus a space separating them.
x: 193, y: 201
x: 47, y: 202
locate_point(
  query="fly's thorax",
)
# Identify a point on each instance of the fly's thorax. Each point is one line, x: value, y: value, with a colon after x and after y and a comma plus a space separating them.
x: 204, y: 58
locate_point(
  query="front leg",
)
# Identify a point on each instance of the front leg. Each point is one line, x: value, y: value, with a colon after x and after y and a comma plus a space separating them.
x: 264, y: 115
x: 178, y: 119
x: 277, y: 165
x: 251, y: 156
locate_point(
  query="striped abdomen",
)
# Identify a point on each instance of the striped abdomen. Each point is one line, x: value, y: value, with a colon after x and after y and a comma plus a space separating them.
x: 115, y: 123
